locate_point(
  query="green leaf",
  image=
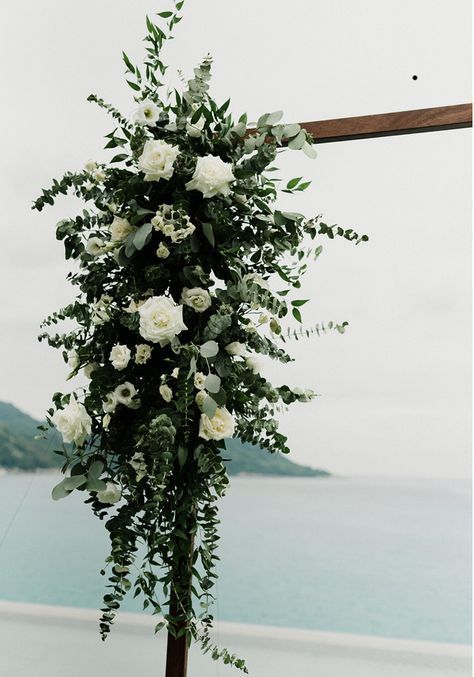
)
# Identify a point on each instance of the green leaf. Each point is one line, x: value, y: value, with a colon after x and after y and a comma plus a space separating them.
x: 60, y: 491
x: 294, y: 182
x: 291, y: 130
x: 96, y: 469
x: 209, y: 233
x: 94, y: 484
x: 212, y: 383
x: 309, y: 150
x: 165, y: 15
x: 273, y: 118
x: 209, y: 349
x: 298, y: 303
x: 71, y: 483
x: 182, y: 455
x: 142, y: 236
x: 298, y: 141
x: 133, y: 85
x: 297, y: 314
x: 209, y: 407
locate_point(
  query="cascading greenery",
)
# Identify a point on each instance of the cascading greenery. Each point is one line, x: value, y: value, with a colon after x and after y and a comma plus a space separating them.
x: 178, y: 249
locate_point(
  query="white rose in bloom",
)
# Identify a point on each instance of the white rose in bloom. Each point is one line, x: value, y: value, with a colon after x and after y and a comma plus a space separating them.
x: 199, y: 379
x: 120, y: 357
x: 211, y: 176
x: 166, y: 393
x: 111, y: 493
x: 120, y: 229
x: 196, y: 298
x: 98, y: 175
x: 200, y: 398
x: 95, y: 246
x: 142, y: 353
x: 73, y: 359
x: 236, y: 349
x: 160, y: 320
x: 124, y: 394
x: 147, y: 113
x: 73, y: 422
x: 90, y: 166
x: 157, y: 160
x: 162, y: 252
x: 220, y: 426
x: 110, y: 403
x: 254, y: 364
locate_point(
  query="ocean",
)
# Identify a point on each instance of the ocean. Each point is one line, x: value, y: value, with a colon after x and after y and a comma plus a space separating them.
x: 365, y: 556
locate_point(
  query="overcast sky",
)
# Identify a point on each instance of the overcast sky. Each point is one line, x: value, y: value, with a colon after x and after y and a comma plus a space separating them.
x: 395, y: 389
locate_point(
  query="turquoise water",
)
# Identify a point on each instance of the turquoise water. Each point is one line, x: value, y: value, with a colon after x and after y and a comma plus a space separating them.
x: 367, y: 556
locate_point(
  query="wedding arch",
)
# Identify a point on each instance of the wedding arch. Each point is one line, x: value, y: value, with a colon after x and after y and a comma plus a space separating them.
x: 178, y: 253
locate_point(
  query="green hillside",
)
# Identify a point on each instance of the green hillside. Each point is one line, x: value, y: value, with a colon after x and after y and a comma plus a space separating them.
x: 19, y: 449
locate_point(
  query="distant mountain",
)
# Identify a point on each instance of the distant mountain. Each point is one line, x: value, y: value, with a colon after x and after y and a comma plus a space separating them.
x: 19, y: 449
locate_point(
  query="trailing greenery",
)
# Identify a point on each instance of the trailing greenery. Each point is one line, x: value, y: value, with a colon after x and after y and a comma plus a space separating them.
x: 180, y: 248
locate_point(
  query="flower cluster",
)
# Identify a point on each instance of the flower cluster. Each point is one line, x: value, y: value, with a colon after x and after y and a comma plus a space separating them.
x: 185, y: 272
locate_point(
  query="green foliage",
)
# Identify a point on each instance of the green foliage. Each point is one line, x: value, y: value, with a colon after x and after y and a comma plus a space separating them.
x: 159, y: 229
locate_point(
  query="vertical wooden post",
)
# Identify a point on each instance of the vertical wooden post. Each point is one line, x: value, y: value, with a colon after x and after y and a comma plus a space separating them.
x: 176, y: 654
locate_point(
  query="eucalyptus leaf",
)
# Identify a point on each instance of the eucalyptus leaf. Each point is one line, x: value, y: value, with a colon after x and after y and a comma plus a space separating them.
x: 209, y: 349
x: 142, y: 236
x: 212, y: 383
x: 74, y: 482
x: 60, y: 491
x: 209, y: 407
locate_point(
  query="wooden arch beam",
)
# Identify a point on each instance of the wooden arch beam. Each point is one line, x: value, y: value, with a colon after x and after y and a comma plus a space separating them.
x: 391, y: 124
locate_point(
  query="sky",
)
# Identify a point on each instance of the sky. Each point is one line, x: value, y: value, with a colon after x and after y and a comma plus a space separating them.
x: 395, y: 389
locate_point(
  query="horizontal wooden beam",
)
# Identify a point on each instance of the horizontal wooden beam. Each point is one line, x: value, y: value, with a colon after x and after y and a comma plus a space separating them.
x: 391, y: 124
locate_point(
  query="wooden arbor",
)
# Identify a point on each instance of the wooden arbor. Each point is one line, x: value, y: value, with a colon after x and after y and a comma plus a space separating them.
x: 350, y: 129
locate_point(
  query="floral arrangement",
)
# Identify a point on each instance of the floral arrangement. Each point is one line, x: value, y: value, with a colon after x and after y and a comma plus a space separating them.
x: 185, y: 269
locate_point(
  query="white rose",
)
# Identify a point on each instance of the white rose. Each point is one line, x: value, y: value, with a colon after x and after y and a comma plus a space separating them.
x: 95, y: 246
x: 236, y: 349
x: 110, y: 403
x: 198, y: 299
x: 142, y: 353
x: 138, y: 464
x: 175, y: 372
x: 120, y: 229
x: 111, y: 493
x: 199, y: 379
x: 200, y: 398
x: 73, y: 359
x: 160, y: 320
x: 211, y: 176
x: 124, y: 394
x: 220, y: 426
x: 162, y: 252
x: 73, y: 422
x: 157, y: 160
x: 90, y: 166
x: 99, y: 175
x: 254, y: 364
x: 147, y: 113
x: 119, y: 357
x: 166, y: 393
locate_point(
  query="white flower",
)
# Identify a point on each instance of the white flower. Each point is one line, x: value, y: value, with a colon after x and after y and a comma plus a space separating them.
x: 73, y: 359
x: 199, y: 380
x: 88, y: 186
x: 106, y: 421
x: 264, y: 318
x: 110, y: 403
x: 220, y: 426
x: 160, y: 320
x: 124, y: 394
x: 200, y: 398
x: 211, y: 176
x: 256, y: 279
x: 162, y: 252
x: 120, y: 229
x: 253, y: 363
x: 90, y: 166
x: 89, y: 368
x: 157, y: 160
x: 119, y: 357
x: 142, y: 353
x: 175, y: 372
x: 166, y: 393
x: 236, y: 349
x: 168, y: 229
x: 95, y: 246
x: 196, y: 298
x: 147, y: 113
x: 73, y: 422
x: 111, y: 493
x: 100, y: 310
x: 138, y: 464
x: 98, y: 175
x: 195, y: 129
